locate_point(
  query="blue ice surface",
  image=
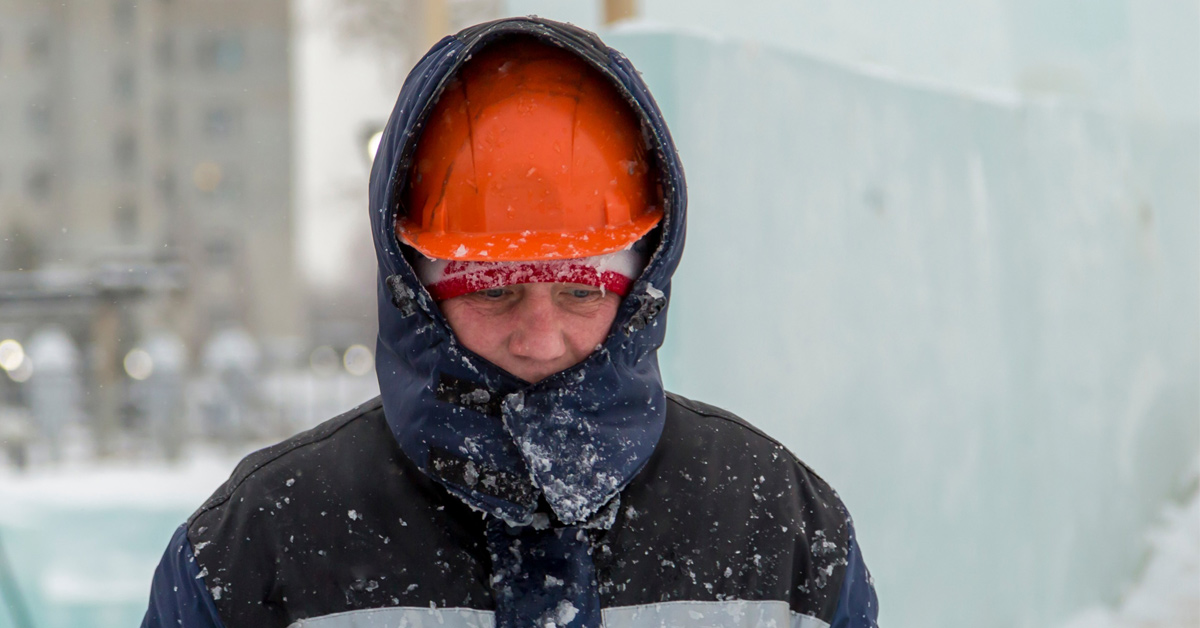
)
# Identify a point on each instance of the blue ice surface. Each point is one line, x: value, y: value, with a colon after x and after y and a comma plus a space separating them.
x: 86, y: 566
x: 975, y: 314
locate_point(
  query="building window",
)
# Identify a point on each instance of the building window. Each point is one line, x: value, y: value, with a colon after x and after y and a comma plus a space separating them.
x: 207, y: 175
x: 40, y: 183
x: 37, y: 48
x: 219, y: 252
x: 125, y: 151
x: 125, y: 82
x: 222, y: 122
x: 168, y: 120
x: 231, y: 188
x: 124, y: 16
x: 220, y: 52
x: 222, y: 315
x: 215, y: 183
x: 168, y: 186
x: 164, y: 51
x: 125, y: 222
x: 225, y: 189
x: 41, y: 119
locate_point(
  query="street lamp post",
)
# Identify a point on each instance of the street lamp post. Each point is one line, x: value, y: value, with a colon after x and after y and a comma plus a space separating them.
x: 437, y: 20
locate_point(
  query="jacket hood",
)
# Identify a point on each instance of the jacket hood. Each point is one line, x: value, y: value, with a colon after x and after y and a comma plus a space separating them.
x: 502, y: 445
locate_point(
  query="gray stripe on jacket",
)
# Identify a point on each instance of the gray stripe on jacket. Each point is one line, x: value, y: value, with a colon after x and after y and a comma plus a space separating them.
x: 683, y: 614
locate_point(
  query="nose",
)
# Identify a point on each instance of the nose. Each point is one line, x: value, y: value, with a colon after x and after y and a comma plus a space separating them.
x: 538, y: 333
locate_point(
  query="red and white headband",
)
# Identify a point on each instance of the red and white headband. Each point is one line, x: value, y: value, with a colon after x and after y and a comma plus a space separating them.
x: 446, y: 279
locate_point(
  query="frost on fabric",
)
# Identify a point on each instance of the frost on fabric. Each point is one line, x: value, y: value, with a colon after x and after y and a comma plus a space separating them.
x: 564, y: 460
x: 478, y: 396
x: 650, y: 303
x: 606, y: 516
x: 827, y: 556
x: 535, y: 575
x: 541, y: 521
x: 565, y: 613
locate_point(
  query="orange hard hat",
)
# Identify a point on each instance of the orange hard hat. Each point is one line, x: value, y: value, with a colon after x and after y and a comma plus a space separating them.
x: 529, y: 154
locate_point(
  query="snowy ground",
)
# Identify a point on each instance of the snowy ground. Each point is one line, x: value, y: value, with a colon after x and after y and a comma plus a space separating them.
x: 1167, y: 593
x: 118, y: 484
x: 84, y: 536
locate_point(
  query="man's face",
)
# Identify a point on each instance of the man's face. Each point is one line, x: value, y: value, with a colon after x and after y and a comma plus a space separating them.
x: 533, y: 330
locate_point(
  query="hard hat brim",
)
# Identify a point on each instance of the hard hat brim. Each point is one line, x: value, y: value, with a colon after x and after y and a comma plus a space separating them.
x: 528, y: 245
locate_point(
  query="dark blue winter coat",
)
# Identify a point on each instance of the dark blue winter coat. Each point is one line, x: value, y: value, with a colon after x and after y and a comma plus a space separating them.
x: 470, y: 497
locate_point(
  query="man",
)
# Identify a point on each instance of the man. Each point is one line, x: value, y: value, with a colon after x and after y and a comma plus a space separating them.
x: 524, y: 466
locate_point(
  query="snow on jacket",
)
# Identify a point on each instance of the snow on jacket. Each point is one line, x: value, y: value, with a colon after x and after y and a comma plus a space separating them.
x: 465, y: 496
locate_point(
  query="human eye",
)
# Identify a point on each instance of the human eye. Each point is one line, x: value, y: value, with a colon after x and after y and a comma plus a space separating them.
x: 493, y: 293
x: 584, y: 294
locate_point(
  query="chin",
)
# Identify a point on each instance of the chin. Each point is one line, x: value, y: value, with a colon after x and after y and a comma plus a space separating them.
x: 534, y: 377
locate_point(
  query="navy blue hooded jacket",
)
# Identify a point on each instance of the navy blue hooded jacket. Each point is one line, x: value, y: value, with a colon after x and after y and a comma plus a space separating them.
x: 467, y: 495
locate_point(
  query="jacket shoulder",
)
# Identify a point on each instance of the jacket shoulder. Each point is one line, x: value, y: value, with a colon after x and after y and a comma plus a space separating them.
x: 337, y: 504
x: 704, y: 416
x: 295, y: 447
x: 723, y: 511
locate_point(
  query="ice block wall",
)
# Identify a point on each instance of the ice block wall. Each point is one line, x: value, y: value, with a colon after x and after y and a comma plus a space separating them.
x: 975, y: 315
x: 82, y: 542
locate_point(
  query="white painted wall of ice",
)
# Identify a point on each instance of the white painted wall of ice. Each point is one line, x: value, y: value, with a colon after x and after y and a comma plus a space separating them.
x: 976, y: 317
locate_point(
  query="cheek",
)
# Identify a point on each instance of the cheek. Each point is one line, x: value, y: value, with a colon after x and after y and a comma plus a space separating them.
x: 475, y: 330
x: 589, y: 332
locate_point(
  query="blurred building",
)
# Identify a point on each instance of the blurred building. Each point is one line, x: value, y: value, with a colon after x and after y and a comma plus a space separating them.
x: 146, y: 134
x: 351, y: 58
x: 145, y: 174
